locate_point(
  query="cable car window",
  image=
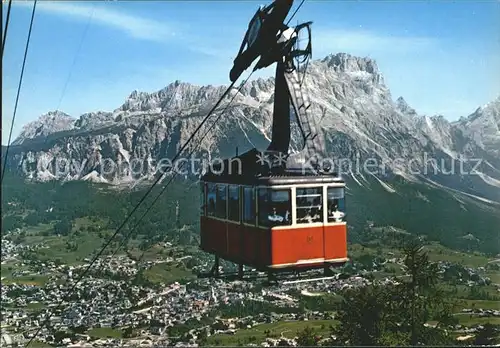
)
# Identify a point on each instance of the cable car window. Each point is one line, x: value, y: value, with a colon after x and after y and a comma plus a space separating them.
x: 263, y: 207
x: 221, y: 201
x: 211, y: 198
x: 274, y: 207
x: 281, y: 207
x: 248, y: 205
x: 336, y: 204
x: 234, y: 203
x: 203, y: 203
x: 309, y: 202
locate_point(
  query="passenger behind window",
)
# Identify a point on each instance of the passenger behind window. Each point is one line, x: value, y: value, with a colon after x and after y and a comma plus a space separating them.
x: 316, y: 214
x: 275, y: 217
x: 334, y: 212
x: 307, y: 218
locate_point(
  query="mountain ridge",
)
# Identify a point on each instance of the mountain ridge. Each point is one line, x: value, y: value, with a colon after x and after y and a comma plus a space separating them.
x: 350, y: 102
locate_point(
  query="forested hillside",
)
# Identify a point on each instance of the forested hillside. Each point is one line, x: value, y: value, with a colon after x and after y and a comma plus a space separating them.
x: 455, y: 221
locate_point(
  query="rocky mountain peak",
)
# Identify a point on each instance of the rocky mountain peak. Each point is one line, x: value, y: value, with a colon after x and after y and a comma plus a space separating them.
x: 490, y: 111
x: 403, y: 106
x: 483, y: 125
x: 358, y: 67
x: 345, y: 62
x: 260, y: 89
x: 91, y: 120
x: 51, y: 122
x: 134, y: 94
x: 175, y: 96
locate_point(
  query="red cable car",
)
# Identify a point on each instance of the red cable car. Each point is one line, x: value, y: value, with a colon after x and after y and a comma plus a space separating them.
x: 272, y: 210
x: 276, y: 222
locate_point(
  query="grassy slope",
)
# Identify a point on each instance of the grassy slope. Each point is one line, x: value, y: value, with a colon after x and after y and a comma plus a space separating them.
x: 283, y: 328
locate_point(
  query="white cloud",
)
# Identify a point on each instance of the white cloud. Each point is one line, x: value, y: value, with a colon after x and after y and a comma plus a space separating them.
x: 327, y: 41
x: 132, y: 25
x: 135, y: 26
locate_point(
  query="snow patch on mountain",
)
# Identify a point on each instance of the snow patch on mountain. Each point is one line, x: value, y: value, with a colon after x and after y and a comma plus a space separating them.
x: 94, y: 177
x: 488, y: 179
x: 484, y: 200
x: 385, y: 185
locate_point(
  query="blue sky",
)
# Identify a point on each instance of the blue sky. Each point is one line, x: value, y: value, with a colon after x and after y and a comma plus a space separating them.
x: 441, y: 56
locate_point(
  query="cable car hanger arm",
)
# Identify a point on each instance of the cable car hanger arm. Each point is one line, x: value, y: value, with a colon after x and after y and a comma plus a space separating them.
x: 261, y: 34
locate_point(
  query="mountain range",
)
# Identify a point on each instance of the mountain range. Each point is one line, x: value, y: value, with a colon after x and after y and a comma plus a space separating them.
x: 426, y: 176
x: 352, y: 105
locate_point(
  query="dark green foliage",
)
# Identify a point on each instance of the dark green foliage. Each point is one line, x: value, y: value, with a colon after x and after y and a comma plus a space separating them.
x: 10, y: 223
x: 64, y: 202
x: 476, y: 293
x: 60, y: 335
x: 141, y: 280
x: 366, y: 316
x: 320, y: 303
x: 181, y: 329
x: 307, y: 337
x: 202, y: 337
x: 63, y: 228
x: 396, y: 314
x: 128, y: 332
x: 79, y: 329
x: 421, y: 210
x: 420, y: 296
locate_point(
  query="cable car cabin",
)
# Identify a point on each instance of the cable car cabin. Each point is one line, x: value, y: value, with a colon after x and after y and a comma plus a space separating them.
x: 283, y: 222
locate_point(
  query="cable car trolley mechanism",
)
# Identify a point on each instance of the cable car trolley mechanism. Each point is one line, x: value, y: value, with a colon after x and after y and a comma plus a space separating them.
x: 271, y: 210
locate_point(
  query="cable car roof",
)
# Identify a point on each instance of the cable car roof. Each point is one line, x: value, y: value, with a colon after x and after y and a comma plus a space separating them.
x: 248, y: 171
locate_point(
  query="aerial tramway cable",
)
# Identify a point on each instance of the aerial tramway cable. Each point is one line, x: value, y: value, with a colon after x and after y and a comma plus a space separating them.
x: 18, y: 89
x: 191, y: 153
x: 176, y: 172
x: 80, y: 45
x: 70, y: 291
x: 6, y: 26
x: 199, y: 143
x: 295, y: 12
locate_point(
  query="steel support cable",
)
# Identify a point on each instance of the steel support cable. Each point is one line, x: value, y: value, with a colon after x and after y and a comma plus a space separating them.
x: 6, y: 26
x: 206, y: 133
x: 70, y: 291
x: 84, y: 35
x: 295, y: 12
x: 18, y: 89
x: 149, y: 191
x: 190, y: 154
x: 3, y: 46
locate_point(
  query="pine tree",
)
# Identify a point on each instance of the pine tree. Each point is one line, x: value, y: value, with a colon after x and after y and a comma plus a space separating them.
x: 421, y: 297
x: 307, y: 337
x: 396, y: 314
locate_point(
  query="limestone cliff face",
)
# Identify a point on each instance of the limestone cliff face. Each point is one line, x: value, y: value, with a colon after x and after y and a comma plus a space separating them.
x: 356, y: 113
x: 483, y: 126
